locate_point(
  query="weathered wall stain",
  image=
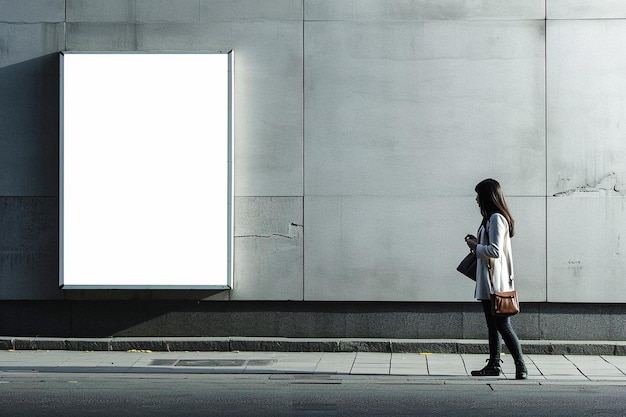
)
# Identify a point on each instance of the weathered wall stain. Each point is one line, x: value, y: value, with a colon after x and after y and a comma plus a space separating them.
x: 575, y: 267
x: 607, y: 186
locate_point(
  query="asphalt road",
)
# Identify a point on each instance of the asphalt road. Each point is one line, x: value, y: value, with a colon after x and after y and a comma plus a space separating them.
x: 35, y: 394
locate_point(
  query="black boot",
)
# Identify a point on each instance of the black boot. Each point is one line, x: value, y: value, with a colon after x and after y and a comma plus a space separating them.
x: 520, y: 370
x: 492, y: 369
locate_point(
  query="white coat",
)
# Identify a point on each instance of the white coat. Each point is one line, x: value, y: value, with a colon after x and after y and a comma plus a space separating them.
x: 496, y: 246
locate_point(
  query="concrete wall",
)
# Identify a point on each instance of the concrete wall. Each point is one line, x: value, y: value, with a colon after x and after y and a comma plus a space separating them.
x: 362, y: 128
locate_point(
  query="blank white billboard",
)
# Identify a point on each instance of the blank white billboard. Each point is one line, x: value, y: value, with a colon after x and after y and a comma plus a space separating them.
x: 146, y: 173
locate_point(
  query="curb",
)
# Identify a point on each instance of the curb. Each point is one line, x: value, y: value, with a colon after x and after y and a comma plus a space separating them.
x: 260, y: 344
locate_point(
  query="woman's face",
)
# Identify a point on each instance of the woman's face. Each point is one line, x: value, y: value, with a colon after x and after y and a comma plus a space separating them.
x: 477, y: 200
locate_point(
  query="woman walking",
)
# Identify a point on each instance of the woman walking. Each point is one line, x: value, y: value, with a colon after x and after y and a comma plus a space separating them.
x: 493, y: 250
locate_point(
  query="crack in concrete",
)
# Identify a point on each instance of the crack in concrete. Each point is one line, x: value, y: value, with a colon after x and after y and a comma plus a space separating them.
x: 294, y: 232
x: 265, y: 236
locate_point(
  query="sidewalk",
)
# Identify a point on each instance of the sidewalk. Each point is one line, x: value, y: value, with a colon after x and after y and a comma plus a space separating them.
x: 415, y: 367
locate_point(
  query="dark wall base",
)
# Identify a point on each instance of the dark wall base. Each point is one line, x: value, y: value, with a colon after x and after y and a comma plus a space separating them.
x: 538, y: 321
x: 280, y: 344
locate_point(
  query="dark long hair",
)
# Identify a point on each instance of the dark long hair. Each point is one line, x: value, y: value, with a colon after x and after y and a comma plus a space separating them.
x: 491, y: 200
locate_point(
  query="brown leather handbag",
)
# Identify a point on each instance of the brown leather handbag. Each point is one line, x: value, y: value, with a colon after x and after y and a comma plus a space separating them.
x: 503, y: 303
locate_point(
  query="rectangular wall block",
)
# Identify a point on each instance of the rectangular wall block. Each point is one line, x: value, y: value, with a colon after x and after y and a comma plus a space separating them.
x: 426, y: 108
x: 269, y: 240
x: 407, y: 249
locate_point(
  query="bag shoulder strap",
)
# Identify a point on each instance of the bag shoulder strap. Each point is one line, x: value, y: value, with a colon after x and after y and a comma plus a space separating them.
x: 489, y: 260
x: 508, y: 258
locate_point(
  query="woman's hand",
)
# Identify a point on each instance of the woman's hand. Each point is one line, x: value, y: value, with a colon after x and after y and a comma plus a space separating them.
x: 471, y: 242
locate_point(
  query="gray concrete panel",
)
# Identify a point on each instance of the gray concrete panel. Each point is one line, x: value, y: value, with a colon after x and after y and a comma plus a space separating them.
x: 131, y: 11
x: 586, y: 112
x: 407, y: 248
x: 29, y: 105
x: 22, y: 42
x: 587, y: 260
x: 268, y: 108
x: 529, y: 247
x: 424, y: 108
x: 423, y: 10
x: 268, y: 89
x: 168, y: 11
x: 211, y: 10
x: 585, y: 9
x: 101, y: 11
x: 101, y: 37
x: 268, y: 249
x: 29, y: 248
x: 32, y: 11
x: 586, y: 150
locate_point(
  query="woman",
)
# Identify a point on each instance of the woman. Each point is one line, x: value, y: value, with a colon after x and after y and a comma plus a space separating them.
x: 493, y: 249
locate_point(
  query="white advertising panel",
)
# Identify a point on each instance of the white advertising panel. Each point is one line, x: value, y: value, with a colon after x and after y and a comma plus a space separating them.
x: 146, y: 173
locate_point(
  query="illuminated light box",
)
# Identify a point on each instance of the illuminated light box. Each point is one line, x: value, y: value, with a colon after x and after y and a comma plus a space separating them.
x: 146, y: 170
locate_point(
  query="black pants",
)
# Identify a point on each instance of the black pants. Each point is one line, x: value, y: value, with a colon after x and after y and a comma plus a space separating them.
x: 500, y: 329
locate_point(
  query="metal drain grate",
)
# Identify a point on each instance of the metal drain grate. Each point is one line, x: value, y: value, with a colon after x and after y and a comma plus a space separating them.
x: 211, y: 363
x: 163, y: 362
